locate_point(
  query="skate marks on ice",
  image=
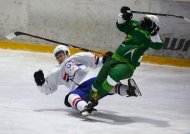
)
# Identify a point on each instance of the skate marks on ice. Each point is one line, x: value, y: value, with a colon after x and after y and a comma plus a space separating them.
x: 108, y: 117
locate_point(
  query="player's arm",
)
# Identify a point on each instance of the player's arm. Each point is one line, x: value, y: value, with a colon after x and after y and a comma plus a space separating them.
x: 156, y: 42
x: 91, y: 60
x: 46, y: 85
x: 124, y: 22
x: 87, y: 59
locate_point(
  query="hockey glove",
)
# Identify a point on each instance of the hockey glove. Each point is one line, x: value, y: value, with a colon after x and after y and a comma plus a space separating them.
x: 107, y: 56
x: 127, y: 14
x: 39, y: 78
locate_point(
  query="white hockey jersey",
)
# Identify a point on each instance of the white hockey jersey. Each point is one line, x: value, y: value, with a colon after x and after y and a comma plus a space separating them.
x: 70, y: 73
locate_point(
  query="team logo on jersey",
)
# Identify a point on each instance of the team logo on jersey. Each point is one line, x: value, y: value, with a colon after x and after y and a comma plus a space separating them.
x: 71, y: 67
x: 68, y: 65
x: 131, y: 53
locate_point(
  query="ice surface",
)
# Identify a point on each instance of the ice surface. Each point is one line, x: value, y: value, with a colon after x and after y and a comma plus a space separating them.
x: 164, y: 107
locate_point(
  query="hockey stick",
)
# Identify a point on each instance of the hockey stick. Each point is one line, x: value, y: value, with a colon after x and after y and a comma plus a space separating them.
x: 160, y: 14
x: 15, y: 34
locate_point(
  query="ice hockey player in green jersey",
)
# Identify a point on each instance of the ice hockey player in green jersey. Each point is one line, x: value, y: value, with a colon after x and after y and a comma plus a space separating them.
x: 140, y: 36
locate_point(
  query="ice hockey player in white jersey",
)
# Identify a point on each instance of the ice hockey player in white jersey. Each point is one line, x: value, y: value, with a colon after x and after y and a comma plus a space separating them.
x: 70, y: 73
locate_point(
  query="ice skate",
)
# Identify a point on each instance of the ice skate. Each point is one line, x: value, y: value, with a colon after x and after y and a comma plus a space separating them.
x: 88, y: 111
x: 133, y: 89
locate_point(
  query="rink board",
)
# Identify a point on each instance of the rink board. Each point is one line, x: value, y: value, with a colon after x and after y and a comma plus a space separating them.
x: 49, y: 49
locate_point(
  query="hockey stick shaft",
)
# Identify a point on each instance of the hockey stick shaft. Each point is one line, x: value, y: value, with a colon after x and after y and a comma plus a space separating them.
x: 49, y: 40
x: 160, y: 14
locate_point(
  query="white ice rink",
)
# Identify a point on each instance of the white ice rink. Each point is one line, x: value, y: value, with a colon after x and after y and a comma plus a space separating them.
x: 164, y: 107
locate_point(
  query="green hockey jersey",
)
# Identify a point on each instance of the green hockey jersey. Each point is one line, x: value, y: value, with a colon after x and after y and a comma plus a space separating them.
x: 136, y: 42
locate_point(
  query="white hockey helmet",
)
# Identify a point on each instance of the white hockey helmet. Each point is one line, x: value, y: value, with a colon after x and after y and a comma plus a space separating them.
x: 153, y: 18
x: 61, y: 49
x: 150, y: 23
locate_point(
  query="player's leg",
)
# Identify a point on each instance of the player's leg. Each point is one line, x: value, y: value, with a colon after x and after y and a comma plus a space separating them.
x: 117, y: 73
x: 103, y: 73
x: 78, y: 98
x: 102, y: 76
x: 127, y: 90
x: 76, y: 102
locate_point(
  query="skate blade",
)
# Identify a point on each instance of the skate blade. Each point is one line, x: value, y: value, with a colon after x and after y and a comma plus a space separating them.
x: 85, y: 114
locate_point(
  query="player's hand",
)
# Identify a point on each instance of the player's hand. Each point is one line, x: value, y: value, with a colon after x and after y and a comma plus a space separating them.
x: 126, y: 13
x: 39, y: 77
x: 107, y: 56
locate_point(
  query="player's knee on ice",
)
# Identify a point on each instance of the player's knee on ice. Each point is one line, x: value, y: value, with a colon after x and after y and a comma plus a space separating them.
x: 66, y: 101
x: 76, y: 102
